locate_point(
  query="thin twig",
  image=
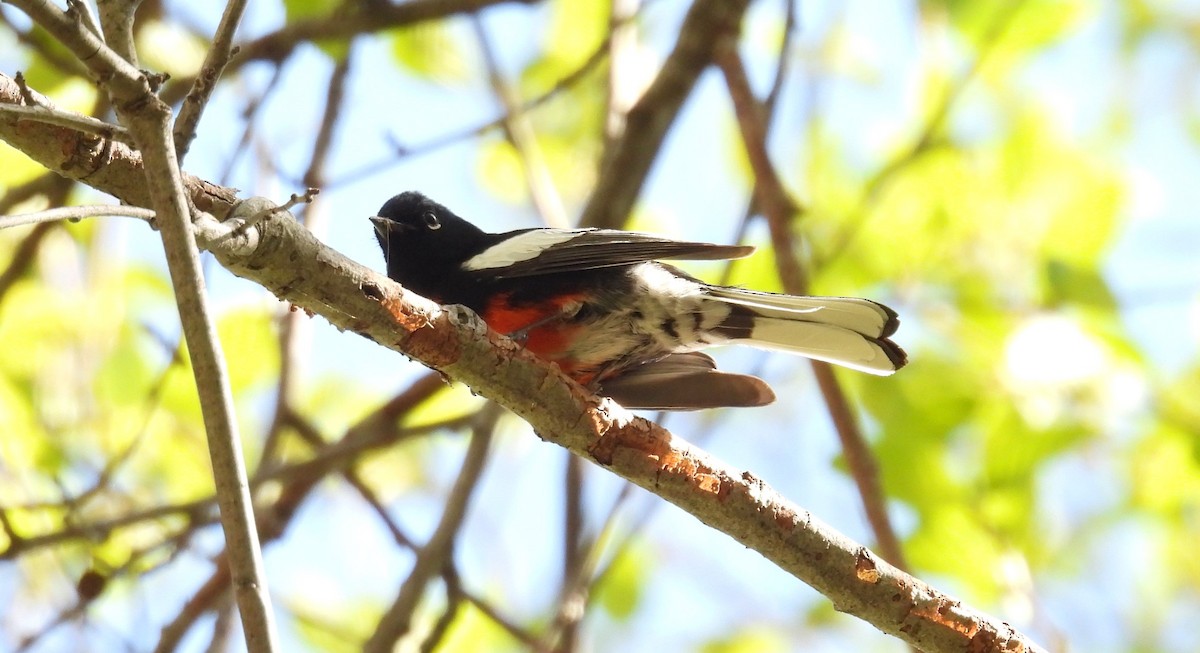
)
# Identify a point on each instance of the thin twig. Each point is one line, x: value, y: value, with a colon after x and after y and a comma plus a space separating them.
x: 55, y: 189
x: 294, y: 324
x: 780, y: 210
x: 563, y: 84
x: 925, y: 140
x: 219, y: 53
x: 76, y: 213
x: 860, y: 460
x: 627, y: 162
x: 309, y: 435
x: 73, y: 120
x: 572, y: 594
x: 149, y: 121
x: 335, y: 101
x: 769, y: 192
x: 507, y: 625
x: 249, y: 118
x: 294, y: 200
x: 520, y: 135
x: 374, y: 431
x: 397, y: 620
x: 769, y: 104
x: 454, y: 601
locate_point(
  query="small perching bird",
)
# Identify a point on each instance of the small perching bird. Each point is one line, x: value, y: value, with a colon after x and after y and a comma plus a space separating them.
x: 599, y: 304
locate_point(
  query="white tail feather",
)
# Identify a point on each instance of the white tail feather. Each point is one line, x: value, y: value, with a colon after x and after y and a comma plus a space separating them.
x: 861, y: 315
x: 824, y: 342
x: 845, y: 331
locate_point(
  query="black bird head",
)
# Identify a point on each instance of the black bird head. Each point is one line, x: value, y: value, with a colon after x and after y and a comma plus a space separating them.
x: 423, y: 242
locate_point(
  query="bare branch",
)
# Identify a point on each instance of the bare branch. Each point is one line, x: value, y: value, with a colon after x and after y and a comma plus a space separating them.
x: 376, y: 430
x: 71, y: 28
x: 219, y: 53
x: 433, y: 557
x: 573, y: 590
x: 69, y: 119
x: 454, y: 601
x: 771, y: 196
x: 566, y: 82
x: 295, y: 200
x: 116, y: 26
x: 149, y: 121
x: 75, y: 213
x: 55, y: 190
x: 627, y: 162
x: 780, y: 211
x: 152, y: 128
x: 363, y: 18
x: 519, y: 132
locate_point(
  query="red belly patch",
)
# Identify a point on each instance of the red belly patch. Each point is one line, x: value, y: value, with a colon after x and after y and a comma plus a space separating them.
x: 550, y: 339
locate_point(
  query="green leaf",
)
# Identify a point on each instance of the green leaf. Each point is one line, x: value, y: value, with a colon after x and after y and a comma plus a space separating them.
x: 500, y: 171
x: 171, y: 48
x: 472, y: 631
x: 312, y: 10
x: 1036, y: 23
x: 15, y: 167
x: 620, y: 590
x: 250, y: 343
x: 577, y: 27
x: 448, y: 403
x: 297, y: 10
x: 748, y: 640
x: 1073, y: 284
x: 429, y: 51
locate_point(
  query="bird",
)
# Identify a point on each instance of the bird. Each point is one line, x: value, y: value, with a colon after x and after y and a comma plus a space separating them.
x: 602, y: 305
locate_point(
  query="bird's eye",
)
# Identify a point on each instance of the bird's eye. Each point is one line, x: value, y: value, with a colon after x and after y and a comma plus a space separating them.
x: 431, y: 221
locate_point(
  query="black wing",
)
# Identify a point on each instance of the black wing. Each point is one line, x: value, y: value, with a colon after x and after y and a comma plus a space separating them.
x: 535, y: 252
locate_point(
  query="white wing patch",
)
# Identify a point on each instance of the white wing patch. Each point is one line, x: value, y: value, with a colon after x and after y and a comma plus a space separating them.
x: 524, y: 247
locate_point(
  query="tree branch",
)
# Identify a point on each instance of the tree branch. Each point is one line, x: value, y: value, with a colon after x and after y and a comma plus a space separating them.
x: 376, y: 430
x: 628, y: 160
x: 781, y: 211
x: 357, y: 18
x: 297, y: 268
x: 210, y: 71
x: 68, y: 119
x: 518, y: 130
x: 434, y: 556
x: 116, y: 24
x: 149, y: 122
x: 75, y: 213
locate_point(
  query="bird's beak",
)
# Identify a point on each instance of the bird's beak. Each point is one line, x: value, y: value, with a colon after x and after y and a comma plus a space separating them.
x: 382, y: 225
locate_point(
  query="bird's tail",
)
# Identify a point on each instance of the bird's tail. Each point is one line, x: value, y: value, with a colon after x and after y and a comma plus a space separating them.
x: 845, y: 331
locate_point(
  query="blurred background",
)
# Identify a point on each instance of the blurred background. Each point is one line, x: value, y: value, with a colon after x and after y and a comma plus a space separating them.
x: 1016, y: 178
